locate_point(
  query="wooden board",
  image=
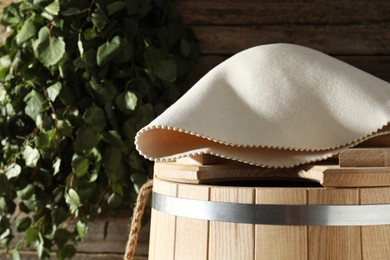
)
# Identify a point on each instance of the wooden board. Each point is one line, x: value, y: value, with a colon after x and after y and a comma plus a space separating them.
x: 212, y: 240
x: 233, y: 12
x: 375, y: 239
x: 365, y: 157
x: 217, y: 173
x: 188, y: 230
x: 329, y: 39
x: 326, y: 175
x: 231, y: 240
x: 281, y: 242
x: 334, y: 243
x: 163, y: 226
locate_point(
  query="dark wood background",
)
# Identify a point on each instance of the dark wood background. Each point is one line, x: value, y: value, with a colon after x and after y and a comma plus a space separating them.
x: 355, y: 31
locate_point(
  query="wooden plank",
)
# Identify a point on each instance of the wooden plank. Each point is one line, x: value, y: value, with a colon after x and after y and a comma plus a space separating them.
x: 231, y: 241
x: 326, y: 175
x: 375, y: 239
x: 342, y: 39
x: 203, y: 159
x: 336, y: 243
x: 378, y: 66
x: 192, y: 234
x: 365, y: 157
x: 163, y: 226
x: 226, y: 172
x: 232, y: 12
x: 281, y: 242
x: 117, y: 235
x: 356, y: 176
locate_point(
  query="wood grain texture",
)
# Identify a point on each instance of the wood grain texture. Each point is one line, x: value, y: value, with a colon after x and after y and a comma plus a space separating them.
x: 326, y: 175
x: 375, y: 239
x: 231, y: 241
x: 281, y: 242
x: 356, y: 177
x: 365, y: 157
x: 163, y: 228
x: 367, y: 39
x: 117, y: 235
x: 256, y: 12
x: 192, y: 234
x: 227, y: 172
x: 334, y: 243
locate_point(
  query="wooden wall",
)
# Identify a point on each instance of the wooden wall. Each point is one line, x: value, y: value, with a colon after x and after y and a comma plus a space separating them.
x: 355, y: 31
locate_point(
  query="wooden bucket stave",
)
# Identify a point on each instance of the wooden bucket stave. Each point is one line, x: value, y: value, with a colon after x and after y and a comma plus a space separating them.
x: 174, y: 237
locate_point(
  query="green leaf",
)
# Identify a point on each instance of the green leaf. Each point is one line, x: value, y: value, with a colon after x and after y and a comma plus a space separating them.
x: 80, y: 46
x: 112, y: 158
x: 73, y: 200
x: 53, y: 8
x: 80, y: 165
x: 138, y: 180
x: 82, y: 229
x: 131, y: 7
x: 90, y: 34
x: 95, y: 118
x: 59, y: 215
x: 107, y: 52
x: 66, y: 252
x: 115, y: 7
x: 40, y: 246
x: 47, y: 142
x: 54, y: 90
x: 64, y: 127
x: 86, y: 139
x: 27, y: 31
x: 104, y: 93
x: 118, y: 188
x: 34, y: 104
x: 127, y: 101
x: 4, y: 184
x: 72, y: 11
x: 61, y: 236
x: 23, y: 224
x: 99, y: 19
x: 5, y: 63
x: 31, y: 235
x: 114, y: 201
x: 126, y: 53
x: 165, y: 70
x: 15, y: 254
x: 11, y: 15
x: 67, y: 96
x: 112, y: 137
x: 31, y: 156
x: 49, y: 49
x: 27, y: 192
x: 13, y: 170
x: 56, y: 166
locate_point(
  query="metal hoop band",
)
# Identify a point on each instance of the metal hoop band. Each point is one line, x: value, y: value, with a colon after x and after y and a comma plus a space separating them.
x: 310, y: 215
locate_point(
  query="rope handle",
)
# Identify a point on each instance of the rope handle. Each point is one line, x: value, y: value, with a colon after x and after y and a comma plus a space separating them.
x: 138, y: 212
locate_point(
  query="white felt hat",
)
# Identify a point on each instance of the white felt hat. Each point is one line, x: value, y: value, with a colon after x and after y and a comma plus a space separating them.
x: 276, y: 105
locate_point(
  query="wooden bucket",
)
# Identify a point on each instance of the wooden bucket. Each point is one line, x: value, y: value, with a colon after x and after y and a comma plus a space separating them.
x: 344, y: 228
